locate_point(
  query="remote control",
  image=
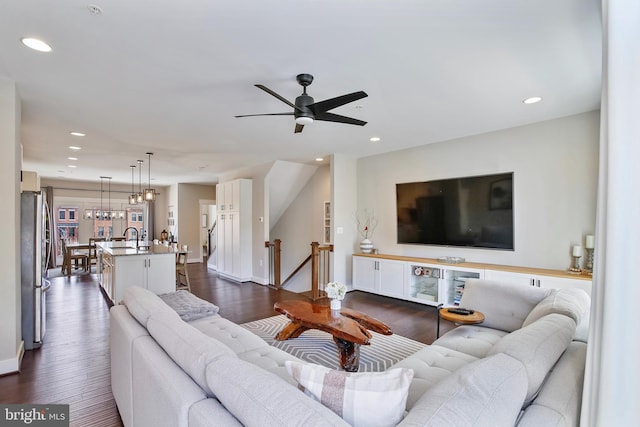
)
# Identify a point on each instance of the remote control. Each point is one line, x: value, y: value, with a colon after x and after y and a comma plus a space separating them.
x: 461, y: 311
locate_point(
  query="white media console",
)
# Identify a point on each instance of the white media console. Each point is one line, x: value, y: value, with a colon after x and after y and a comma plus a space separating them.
x: 427, y: 281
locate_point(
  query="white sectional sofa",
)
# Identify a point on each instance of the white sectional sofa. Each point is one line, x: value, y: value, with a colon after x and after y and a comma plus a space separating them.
x: 523, y: 366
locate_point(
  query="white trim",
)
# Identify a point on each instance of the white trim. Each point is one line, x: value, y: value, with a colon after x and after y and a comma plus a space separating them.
x: 11, y: 366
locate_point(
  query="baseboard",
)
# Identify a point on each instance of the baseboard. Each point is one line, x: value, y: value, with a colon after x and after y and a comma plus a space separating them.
x: 12, y: 366
x: 260, y: 280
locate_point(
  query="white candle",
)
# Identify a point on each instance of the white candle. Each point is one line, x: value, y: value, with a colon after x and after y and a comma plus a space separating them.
x: 577, y: 250
x: 590, y: 242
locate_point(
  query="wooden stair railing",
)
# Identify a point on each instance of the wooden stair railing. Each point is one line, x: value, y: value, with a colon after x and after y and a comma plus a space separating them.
x: 320, y: 269
x: 274, y: 262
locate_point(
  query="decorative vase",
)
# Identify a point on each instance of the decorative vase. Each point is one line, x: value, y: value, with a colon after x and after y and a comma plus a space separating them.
x: 366, y: 246
x: 336, y: 304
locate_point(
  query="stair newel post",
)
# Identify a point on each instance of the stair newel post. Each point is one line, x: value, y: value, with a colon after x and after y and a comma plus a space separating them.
x: 276, y: 261
x: 315, y: 252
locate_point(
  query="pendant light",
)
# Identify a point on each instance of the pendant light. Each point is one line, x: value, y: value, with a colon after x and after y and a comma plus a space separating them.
x: 133, y: 199
x: 101, y: 214
x: 149, y: 193
x: 139, y: 195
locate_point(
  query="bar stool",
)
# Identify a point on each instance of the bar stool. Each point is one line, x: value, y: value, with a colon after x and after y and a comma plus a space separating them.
x: 182, y: 274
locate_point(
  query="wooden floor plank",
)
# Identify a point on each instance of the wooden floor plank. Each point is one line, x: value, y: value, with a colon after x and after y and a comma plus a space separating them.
x: 73, y: 366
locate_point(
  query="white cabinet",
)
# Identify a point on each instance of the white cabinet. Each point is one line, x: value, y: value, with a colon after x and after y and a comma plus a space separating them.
x: 432, y: 282
x: 156, y: 273
x: 234, y: 245
x: 385, y: 277
x: 539, y: 280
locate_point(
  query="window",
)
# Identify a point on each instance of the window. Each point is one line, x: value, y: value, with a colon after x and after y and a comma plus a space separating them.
x: 72, y: 214
x: 110, y: 231
x: 61, y: 214
x: 100, y: 231
x: 140, y: 217
x: 133, y: 216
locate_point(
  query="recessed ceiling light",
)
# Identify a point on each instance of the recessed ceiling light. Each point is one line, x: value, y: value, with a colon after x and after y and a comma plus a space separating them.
x: 319, y: 159
x: 94, y: 9
x: 35, y: 44
x: 74, y: 133
x: 72, y: 158
x: 74, y: 148
x: 71, y: 166
x: 374, y: 139
x: 532, y: 100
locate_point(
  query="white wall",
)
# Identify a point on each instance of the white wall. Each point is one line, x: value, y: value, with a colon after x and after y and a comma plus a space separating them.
x: 10, y: 163
x: 344, y: 191
x: 555, y: 176
x: 300, y: 224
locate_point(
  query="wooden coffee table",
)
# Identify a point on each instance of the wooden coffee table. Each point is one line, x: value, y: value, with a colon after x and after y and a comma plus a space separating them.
x: 349, y: 328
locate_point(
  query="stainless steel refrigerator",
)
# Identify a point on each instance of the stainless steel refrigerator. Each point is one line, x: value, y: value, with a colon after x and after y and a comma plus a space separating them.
x: 35, y: 230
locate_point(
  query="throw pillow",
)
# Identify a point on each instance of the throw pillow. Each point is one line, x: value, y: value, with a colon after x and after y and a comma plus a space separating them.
x: 365, y: 399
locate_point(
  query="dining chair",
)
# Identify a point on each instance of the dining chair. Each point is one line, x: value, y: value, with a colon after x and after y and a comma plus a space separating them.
x: 70, y: 255
x: 182, y: 274
x: 93, y: 254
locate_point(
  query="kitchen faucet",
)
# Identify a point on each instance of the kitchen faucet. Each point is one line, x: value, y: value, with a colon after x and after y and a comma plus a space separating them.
x: 134, y: 229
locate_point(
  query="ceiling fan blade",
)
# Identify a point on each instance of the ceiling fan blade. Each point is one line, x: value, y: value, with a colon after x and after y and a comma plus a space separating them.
x: 298, y: 128
x: 330, y: 117
x: 266, y: 114
x: 329, y: 104
x: 281, y: 98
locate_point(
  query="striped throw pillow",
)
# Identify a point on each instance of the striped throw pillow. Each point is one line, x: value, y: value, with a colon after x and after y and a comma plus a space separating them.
x: 366, y: 399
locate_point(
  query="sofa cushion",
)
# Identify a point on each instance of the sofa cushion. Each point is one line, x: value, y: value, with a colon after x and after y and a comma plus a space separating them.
x: 488, y: 392
x: 261, y: 399
x: 560, y: 398
x: 230, y: 334
x: 538, y: 346
x: 141, y: 303
x: 475, y: 340
x: 188, y: 347
x: 210, y: 412
x: 430, y: 365
x: 271, y: 359
x: 365, y: 399
x: 504, y: 305
x: 570, y: 302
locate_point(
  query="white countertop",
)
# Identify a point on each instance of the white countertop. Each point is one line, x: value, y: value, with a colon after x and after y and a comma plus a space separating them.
x: 128, y: 248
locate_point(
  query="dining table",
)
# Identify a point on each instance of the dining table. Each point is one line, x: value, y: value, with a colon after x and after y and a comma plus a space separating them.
x: 71, y: 248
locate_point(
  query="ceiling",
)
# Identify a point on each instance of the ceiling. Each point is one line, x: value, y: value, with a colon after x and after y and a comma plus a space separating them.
x: 168, y: 77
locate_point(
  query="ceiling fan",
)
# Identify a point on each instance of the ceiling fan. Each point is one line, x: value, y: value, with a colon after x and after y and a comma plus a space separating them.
x: 305, y: 110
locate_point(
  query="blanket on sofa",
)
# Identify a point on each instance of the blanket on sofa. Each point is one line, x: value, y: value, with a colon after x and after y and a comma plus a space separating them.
x: 188, y: 306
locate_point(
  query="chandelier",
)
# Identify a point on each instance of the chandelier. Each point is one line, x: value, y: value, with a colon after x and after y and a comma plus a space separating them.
x: 101, y: 214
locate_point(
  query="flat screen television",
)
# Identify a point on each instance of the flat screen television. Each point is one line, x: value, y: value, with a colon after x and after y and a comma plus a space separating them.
x: 475, y: 211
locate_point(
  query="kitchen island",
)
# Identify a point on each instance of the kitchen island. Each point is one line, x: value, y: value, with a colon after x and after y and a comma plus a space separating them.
x: 124, y: 265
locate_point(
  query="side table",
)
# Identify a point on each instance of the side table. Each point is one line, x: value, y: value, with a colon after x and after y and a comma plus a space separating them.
x: 463, y: 319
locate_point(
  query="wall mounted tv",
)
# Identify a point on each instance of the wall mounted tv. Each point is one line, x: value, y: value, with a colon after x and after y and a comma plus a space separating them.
x: 474, y: 211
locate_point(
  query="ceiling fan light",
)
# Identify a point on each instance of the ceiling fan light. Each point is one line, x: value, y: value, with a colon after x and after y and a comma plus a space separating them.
x: 304, y: 121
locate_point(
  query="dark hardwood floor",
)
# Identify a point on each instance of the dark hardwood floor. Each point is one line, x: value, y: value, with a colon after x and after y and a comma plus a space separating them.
x: 72, y: 366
